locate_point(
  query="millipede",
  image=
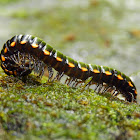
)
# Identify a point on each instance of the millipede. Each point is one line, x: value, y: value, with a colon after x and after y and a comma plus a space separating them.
x: 23, y: 54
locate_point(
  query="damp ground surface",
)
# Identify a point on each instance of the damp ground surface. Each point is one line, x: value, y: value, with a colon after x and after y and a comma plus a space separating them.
x: 38, y: 110
x: 103, y: 32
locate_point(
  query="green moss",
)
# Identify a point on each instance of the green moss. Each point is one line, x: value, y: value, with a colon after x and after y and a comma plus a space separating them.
x: 54, y: 110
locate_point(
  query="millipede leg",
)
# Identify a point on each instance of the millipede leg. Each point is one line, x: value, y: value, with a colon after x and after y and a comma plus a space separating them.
x: 22, y: 60
x: 18, y: 57
x: 13, y: 58
x: 42, y: 71
x: 100, y: 88
x: 70, y: 81
x: 106, y: 89
x: 113, y: 94
x: 96, y: 87
x: 132, y: 97
x: 87, y: 81
x: 30, y: 58
x: 50, y: 70
x: 66, y: 80
x: 60, y: 76
x: 75, y: 83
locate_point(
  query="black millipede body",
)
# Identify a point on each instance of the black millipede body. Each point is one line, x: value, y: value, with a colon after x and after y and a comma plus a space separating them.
x: 23, y: 54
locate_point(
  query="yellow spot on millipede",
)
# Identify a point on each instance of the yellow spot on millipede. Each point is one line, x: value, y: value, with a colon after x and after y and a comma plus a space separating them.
x: 58, y: 59
x: 108, y: 73
x: 13, y: 44
x: 96, y: 71
x: 46, y: 52
x: 10, y: 72
x: 2, y: 58
x: 5, y: 70
x: 130, y: 84
x: 5, y: 50
x: 3, y: 66
x: 34, y: 45
x: 120, y: 77
x: 71, y: 65
x: 15, y: 73
x: 23, y: 42
x: 136, y: 92
x: 84, y: 69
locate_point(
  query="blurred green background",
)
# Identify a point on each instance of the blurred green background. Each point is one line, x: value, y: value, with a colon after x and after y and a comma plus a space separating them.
x: 103, y: 32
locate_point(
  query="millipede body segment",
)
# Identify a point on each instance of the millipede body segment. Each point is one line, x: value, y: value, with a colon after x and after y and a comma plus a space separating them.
x: 23, y: 54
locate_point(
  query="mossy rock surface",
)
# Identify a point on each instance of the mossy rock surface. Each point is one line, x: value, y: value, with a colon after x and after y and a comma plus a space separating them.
x: 38, y: 110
